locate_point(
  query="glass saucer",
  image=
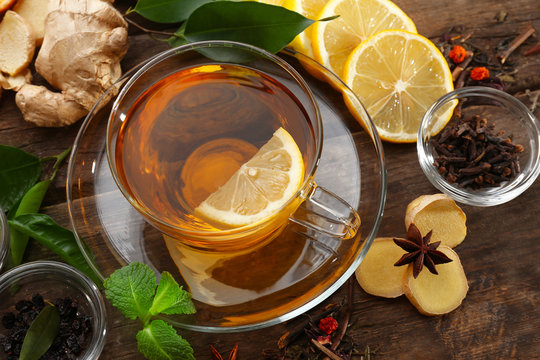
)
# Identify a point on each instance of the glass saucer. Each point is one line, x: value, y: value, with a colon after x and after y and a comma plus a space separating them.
x: 260, y: 287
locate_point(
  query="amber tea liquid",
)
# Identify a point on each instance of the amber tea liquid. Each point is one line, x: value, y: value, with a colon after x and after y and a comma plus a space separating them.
x: 189, y: 132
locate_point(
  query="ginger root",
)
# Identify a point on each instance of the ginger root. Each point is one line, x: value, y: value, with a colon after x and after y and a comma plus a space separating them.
x: 82, y: 47
x: 54, y: 107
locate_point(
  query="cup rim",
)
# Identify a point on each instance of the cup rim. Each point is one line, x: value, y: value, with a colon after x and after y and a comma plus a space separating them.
x: 498, y: 195
x: 86, y: 286
x: 307, y: 183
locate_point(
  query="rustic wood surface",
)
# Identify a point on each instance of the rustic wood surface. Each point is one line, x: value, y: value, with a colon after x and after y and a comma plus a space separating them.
x: 500, y: 317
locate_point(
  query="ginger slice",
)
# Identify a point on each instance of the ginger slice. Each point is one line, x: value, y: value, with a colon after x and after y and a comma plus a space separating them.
x: 16, y: 82
x: 377, y: 274
x: 34, y: 12
x: 17, y: 43
x: 437, y: 294
x: 438, y: 212
x: 5, y: 5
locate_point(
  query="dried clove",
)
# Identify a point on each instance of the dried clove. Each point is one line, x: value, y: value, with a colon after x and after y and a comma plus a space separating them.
x: 471, y: 154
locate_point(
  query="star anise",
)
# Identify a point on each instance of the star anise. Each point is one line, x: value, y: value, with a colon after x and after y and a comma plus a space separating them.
x: 420, y: 251
x: 217, y: 356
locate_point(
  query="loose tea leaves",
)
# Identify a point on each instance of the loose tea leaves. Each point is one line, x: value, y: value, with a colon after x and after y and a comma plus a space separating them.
x: 41, y: 333
x: 472, y: 154
x: 71, y: 338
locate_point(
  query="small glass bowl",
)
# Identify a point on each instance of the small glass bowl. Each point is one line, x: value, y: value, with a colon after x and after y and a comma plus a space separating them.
x: 54, y: 280
x: 508, y: 114
x: 4, y: 238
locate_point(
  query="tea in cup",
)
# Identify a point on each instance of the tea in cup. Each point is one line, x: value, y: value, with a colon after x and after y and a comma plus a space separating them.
x: 216, y: 144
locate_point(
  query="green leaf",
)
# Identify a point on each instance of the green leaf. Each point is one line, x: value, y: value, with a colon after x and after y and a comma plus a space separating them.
x: 178, y: 38
x: 41, y: 333
x: 57, y: 238
x: 266, y: 26
x: 131, y: 290
x: 19, y: 171
x: 30, y: 203
x: 170, y: 298
x: 159, y: 341
x: 167, y: 11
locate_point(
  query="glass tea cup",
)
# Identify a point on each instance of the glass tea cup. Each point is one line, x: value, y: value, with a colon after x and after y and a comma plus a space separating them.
x: 191, y: 116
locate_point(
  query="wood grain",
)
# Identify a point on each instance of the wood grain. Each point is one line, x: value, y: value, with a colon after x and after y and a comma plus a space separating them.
x: 500, y: 317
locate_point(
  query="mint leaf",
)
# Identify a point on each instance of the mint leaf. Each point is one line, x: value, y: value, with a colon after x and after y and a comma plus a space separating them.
x: 159, y: 341
x: 167, y: 11
x: 131, y: 290
x: 267, y: 26
x: 170, y: 298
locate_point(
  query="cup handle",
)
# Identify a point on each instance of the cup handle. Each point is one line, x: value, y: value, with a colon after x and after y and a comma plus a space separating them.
x: 325, y: 212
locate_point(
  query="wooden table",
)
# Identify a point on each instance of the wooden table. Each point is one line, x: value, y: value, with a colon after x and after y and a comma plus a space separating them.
x: 500, y: 317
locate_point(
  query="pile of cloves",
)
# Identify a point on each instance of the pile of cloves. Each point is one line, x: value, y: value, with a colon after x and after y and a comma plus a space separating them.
x: 471, y: 154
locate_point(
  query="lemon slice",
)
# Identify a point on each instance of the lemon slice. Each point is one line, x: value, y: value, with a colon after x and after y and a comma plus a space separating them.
x: 309, y: 9
x: 333, y: 40
x: 260, y: 187
x: 397, y: 75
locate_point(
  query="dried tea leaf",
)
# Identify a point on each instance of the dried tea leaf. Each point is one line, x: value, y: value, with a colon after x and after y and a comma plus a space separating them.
x: 501, y: 16
x: 41, y: 333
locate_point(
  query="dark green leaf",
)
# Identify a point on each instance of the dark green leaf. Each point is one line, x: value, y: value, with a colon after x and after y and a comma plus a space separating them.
x: 41, y: 333
x: 266, y: 26
x: 19, y: 171
x: 30, y: 203
x: 178, y: 38
x: 167, y: 11
x: 131, y: 290
x: 171, y: 298
x: 57, y: 238
x: 159, y: 341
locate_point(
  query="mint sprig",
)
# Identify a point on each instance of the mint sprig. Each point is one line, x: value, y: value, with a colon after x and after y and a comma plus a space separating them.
x: 134, y: 290
x: 159, y: 341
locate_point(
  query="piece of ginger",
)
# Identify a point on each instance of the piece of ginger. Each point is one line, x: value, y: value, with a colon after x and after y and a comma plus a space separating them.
x: 5, y: 5
x: 34, y: 12
x: 438, y: 212
x: 377, y: 274
x: 83, y: 45
x: 55, y: 109
x: 437, y: 294
x: 17, y: 43
x: 16, y: 82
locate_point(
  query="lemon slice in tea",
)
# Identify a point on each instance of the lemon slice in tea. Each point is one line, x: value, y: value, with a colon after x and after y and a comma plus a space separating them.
x: 260, y: 187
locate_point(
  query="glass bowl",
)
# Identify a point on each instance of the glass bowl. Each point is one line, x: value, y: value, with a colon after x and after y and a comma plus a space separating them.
x: 508, y: 115
x: 4, y: 238
x: 54, y: 280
